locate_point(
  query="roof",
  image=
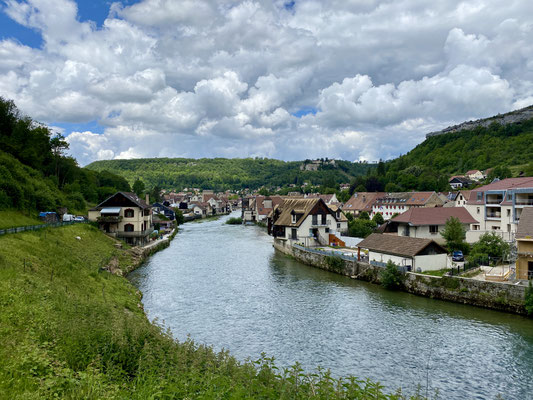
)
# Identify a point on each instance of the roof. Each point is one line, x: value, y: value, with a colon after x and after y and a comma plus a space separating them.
x: 406, y: 198
x: 404, y: 246
x: 260, y: 203
x: 325, y: 197
x: 472, y: 172
x: 503, y: 185
x: 434, y: 216
x: 525, y: 225
x: 128, y: 195
x: 301, y: 207
x: 362, y: 201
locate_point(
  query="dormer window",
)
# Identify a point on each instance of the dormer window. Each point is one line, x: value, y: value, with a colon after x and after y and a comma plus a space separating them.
x: 293, y: 218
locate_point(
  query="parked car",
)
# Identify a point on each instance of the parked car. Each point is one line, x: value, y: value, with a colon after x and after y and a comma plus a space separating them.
x: 79, y: 219
x: 68, y: 217
x: 457, y: 255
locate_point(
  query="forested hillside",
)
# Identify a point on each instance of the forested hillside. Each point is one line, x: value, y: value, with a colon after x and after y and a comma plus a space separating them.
x: 430, y: 164
x: 223, y: 173
x: 35, y: 175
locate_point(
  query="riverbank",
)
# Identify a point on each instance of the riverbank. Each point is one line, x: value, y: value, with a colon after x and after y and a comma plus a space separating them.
x: 493, y: 295
x: 71, y: 329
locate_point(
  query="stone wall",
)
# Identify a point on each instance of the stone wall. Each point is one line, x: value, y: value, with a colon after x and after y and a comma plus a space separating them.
x: 494, y: 295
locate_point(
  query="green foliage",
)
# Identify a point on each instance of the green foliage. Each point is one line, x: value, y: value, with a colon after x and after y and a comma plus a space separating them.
x: 234, y: 221
x: 234, y: 174
x: 36, y: 175
x: 454, y: 234
x: 489, y: 245
x: 364, y: 215
x: 360, y: 228
x: 70, y: 330
x: 138, y: 187
x: 378, y: 219
x: 335, y: 263
x: 180, y: 219
x: 529, y: 299
x: 391, y: 277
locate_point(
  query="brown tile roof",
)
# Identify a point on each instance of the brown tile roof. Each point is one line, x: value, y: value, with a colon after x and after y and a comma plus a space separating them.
x: 397, y: 245
x: 434, y: 216
x: 362, y: 201
x: 472, y: 172
x: 299, y: 206
x: 260, y: 202
x: 128, y: 195
x: 525, y: 225
x: 406, y: 198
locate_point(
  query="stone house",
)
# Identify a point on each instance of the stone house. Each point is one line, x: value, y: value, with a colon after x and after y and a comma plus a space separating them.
x: 124, y: 215
x: 524, y: 244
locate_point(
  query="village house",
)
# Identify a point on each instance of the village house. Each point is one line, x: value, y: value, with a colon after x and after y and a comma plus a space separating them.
x: 497, y: 206
x: 414, y: 254
x: 524, y: 243
x: 455, y: 199
x: 264, y: 205
x: 328, y: 198
x: 342, y: 221
x: 427, y: 223
x: 159, y: 208
x: 458, y: 182
x: 361, y: 201
x: 475, y: 175
x: 305, y: 221
x: 397, y: 203
x: 124, y: 215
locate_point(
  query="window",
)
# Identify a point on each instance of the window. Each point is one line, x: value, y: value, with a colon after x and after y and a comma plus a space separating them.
x: 479, y: 196
x: 495, y: 228
x: 508, y: 213
x: 294, y: 233
x: 315, y: 220
x: 478, y: 210
x: 128, y: 228
x: 433, y: 229
x: 475, y: 227
x: 338, y: 226
x: 129, y: 213
x: 293, y: 218
x: 323, y: 219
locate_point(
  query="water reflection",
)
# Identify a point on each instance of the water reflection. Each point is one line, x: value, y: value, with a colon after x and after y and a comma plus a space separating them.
x: 225, y: 286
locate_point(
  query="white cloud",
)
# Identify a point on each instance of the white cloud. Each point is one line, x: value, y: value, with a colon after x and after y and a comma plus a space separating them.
x: 213, y: 78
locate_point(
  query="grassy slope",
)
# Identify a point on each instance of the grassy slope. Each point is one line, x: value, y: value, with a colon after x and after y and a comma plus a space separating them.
x: 12, y: 218
x: 69, y: 330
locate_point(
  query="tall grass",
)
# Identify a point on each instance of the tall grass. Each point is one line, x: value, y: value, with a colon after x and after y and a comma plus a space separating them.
x: 69, y: 329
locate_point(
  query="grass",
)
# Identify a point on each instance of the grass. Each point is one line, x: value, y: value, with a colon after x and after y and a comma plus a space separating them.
x: 439, y: 272
x: 70, y: 330
x: 13, y: 218
x: 234, y: 221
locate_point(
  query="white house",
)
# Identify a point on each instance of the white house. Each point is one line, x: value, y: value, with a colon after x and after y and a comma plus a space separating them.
x: 415, y: 254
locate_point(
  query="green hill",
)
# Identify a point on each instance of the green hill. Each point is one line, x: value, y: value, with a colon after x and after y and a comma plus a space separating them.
x: 224, y: 173
x: 35, y: 175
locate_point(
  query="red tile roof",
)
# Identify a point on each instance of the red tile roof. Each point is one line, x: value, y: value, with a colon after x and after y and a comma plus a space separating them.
x: 362, y: 201
x: 434, y: 216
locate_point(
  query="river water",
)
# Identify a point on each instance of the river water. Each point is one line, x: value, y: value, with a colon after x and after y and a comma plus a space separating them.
x: 225, y: 286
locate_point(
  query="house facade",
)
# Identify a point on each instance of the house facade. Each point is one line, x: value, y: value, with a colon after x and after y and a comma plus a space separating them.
x: 428, y: 223
x: 524, y: 244
x: 305, y: 221
x: 124, y: 215
x: 398, y: 203
x: 414, y: 254
x: 497, y: 207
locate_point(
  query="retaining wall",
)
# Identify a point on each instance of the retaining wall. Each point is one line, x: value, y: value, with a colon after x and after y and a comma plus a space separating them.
x: 494, y: 295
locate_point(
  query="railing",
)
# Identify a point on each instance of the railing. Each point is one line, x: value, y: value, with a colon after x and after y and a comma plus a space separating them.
x: 135, y: 233
x: 524, y: 202
x: 326, y: 253
x: 37, y: 227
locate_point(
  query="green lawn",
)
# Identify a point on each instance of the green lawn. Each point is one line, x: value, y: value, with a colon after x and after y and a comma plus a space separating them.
x: 70, y: 330
x: 439, y: 272
x: 12, y: 218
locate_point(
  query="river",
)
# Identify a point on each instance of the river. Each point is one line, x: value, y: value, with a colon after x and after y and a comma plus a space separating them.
x: 225, y: 286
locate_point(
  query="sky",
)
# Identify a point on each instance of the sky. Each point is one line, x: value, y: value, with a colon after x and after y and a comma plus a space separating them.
x: 356, y: 80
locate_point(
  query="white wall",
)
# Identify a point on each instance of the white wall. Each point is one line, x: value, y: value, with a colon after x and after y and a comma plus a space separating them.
x: 430, y: 262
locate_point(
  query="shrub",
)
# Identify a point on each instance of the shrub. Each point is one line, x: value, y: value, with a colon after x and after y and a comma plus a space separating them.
x: 391, y: 277
x: 234, y: 221
x: 529, y: 299
x: 335, y: 263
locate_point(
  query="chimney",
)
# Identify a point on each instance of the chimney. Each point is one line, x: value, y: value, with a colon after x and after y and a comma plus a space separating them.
x: 147, y: 199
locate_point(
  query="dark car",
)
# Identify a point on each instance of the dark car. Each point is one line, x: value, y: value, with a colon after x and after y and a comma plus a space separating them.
x: 458, y: 256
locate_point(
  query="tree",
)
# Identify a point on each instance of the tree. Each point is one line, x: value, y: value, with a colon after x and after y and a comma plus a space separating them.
x: 138, y: 187
x: 364, y: 215
x: 361, y: 228
x: 490, y: 245
x: 180, y: 219
x: 391, y: 277
x: 454, y: 234
x: 155, y: 194
x: 378, y: 219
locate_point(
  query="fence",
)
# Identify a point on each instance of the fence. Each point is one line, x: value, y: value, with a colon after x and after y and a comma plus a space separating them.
x: 37, y: 227
x: 332, y: 253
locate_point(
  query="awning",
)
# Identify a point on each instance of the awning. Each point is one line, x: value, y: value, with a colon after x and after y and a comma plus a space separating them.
x: 110, y: 210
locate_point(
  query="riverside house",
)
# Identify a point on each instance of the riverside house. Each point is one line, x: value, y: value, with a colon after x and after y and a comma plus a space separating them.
x: 524, y: 242
x: 306, y: 221
x: 397, y: 203
x: 125, y: 216
x: 414, y: 254
x: 427, y: 223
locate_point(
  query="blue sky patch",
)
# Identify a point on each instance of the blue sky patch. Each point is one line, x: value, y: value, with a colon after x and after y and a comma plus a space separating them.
x: 92, y: 126
x: 10, y: 29
x: 305, y: 111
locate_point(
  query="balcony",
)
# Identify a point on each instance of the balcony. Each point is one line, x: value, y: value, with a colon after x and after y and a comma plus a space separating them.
x: 494, y: 215
x: 494, y: 201
x: 145, y: 233
x: 524, y: 202
x: 109, y: 219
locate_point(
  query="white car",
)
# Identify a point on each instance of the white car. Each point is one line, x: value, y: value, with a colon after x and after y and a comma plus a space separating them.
x: 79, y: 219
